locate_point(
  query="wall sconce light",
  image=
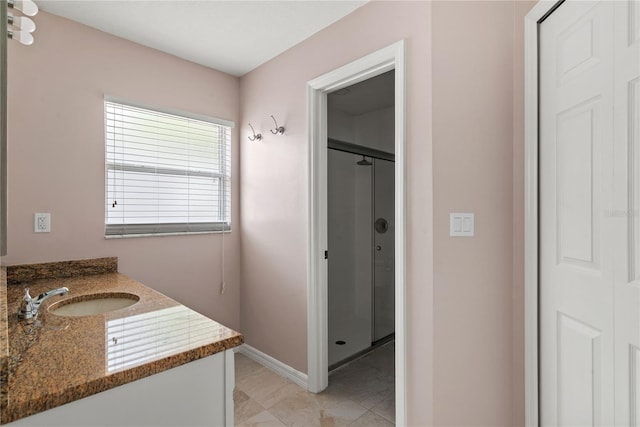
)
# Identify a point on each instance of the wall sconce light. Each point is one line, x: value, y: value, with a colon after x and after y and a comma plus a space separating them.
x: 22, y: 36
x: 27, y: 7
x: 22, y: 23
x: 20, y: 27
x: 279, y: 130
x: 255, y: 136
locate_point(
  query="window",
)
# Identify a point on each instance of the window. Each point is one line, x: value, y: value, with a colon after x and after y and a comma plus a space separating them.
x: 165, y: 172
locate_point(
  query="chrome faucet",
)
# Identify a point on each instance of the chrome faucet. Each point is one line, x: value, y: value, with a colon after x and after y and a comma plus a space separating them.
x: 29, y: 306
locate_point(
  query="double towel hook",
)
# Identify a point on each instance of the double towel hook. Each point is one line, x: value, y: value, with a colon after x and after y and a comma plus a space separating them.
x: 278, y: 130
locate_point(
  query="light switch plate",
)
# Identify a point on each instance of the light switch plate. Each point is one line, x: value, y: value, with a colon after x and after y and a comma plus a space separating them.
x: 461, y: 224
x: 42, y: 223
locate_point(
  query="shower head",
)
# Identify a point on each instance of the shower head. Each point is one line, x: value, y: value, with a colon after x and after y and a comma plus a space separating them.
x: 364, y: 162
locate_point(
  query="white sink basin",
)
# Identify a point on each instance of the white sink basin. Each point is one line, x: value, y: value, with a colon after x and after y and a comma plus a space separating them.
x: 90, y: 305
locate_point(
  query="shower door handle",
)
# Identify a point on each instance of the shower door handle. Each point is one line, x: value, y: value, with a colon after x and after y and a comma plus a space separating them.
x: 381, y: 225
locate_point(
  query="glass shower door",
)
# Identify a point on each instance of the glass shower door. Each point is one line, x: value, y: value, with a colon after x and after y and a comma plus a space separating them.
x: 349, y: 196
x: 384, y: 249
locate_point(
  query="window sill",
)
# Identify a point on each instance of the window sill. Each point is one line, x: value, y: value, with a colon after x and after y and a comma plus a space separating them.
x: 184, y: 233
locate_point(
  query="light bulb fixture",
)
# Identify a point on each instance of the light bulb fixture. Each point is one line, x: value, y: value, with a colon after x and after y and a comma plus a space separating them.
x: 22, y: 23
x: 279, y: 130
x: 28, y: 7
x: 255, y: 136
x: 22, y: 36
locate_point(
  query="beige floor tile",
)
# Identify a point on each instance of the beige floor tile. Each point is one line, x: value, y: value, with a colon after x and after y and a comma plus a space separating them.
x: 244, y: 407
x: 245, y: 366
x: 382, y: 359
x: 373, y: 398
x: 333, y: 393
x: 360, y: 394
x: 307, y: 409
x: 386, y: 409
x: 336, y: 390
x: 341, y: 413
x: 355, y: 373
x: 287, y: 390
x: 261, y: 384
x: 328, y: 400
x: 298, y: 410
x: 363, y: 384
x: 370, y: 419
x: 263, y: 419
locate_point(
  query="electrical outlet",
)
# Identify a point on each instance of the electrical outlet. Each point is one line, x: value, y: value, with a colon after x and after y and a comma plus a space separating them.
x: 42, y: 223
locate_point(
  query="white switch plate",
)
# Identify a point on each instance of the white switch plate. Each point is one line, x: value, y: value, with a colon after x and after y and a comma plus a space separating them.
x: 42, y: 223
x: 461, y: 224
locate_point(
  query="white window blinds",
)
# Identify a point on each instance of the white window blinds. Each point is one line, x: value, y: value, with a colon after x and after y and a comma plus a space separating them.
x: 165, y: 173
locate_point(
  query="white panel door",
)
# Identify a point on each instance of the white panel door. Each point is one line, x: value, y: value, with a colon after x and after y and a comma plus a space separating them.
x: 590, y: 214
x: 576, y: 236
x: 626, y: 213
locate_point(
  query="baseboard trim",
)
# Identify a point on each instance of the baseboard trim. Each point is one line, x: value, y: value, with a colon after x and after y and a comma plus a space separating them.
x: 275, y: 365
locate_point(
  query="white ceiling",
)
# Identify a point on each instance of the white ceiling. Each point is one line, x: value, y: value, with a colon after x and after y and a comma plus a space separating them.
x: 232, y: 36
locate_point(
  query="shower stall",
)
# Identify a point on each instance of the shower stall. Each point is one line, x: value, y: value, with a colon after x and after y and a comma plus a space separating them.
x: 361, y: 229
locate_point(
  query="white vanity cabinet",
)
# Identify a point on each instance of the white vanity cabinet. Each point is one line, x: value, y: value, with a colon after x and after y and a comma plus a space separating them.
x: 198, y: 393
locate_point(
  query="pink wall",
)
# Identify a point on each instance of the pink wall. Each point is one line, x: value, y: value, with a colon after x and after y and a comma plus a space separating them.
x: 472, y: 167
x: 274, y: 194
x: 478, y: 167
x: 56, y: 158
x: 465, y: 310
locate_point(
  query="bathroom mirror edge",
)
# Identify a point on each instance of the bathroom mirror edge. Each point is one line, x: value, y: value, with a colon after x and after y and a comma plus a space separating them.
x: 3, y: 127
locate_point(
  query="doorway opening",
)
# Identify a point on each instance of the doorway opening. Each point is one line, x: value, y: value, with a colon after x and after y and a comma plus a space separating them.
x: 361, y: 225
x: 372, y: 65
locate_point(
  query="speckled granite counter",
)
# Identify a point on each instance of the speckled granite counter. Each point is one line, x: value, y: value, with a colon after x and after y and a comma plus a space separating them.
x: 56, y: 359
x: 4, y: 342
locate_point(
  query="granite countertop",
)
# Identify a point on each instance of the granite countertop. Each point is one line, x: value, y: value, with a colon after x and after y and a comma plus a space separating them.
x: 57, y: 359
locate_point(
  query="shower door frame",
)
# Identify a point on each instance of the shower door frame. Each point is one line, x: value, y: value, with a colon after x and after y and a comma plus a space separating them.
x: 376, y: 63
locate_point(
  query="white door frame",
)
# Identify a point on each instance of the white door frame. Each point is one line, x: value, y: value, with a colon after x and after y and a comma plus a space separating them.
x: 386, y: 59
x: 531, y: 63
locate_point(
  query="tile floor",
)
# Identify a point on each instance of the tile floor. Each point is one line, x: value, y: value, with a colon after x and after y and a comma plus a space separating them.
x: 359, y: 394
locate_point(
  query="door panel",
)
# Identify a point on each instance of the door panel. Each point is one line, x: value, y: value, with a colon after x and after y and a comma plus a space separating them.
x: 578, y: 201
x: 578, y: 47
x: 579, y: 372
x: 576, y: 258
